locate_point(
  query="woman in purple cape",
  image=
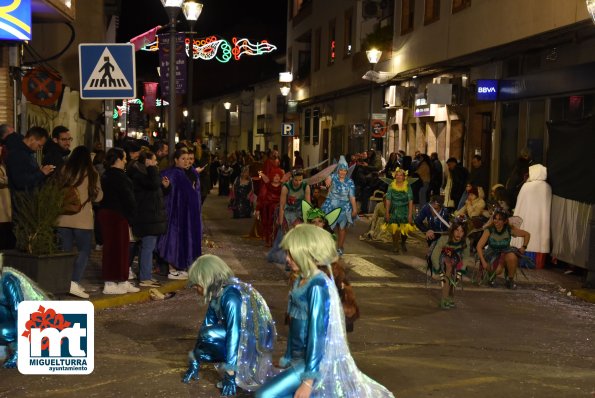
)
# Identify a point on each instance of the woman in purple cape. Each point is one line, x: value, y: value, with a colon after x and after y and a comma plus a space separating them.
x: 181, y: 244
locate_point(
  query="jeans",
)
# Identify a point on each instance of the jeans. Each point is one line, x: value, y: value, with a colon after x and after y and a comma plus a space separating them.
x: 82, y: 238
x: 148, y: 244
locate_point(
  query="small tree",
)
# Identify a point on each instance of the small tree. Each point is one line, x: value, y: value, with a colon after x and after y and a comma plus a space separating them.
x: 35, y: 218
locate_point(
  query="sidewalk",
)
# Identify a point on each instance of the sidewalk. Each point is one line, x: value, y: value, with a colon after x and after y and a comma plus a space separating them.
x: 550, y: 279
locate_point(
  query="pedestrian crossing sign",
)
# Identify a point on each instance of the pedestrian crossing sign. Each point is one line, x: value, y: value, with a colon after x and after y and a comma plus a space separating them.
x: 107, y: 71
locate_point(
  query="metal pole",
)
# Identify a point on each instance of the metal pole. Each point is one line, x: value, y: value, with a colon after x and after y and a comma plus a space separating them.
x: 370, y: 138
x: 190, y: 132
x: 171, y: 130
x: 227, y: 117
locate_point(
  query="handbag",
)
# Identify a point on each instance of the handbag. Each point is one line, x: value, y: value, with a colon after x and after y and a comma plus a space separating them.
x: 71, y: 201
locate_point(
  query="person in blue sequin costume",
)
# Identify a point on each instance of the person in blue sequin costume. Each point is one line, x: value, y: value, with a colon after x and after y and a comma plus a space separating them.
x: 238, y: 331
x: 14, y: 288
x: 317, y: 360
x: 341, y: 195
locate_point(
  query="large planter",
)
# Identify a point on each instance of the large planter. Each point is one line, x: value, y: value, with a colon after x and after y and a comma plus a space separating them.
x: 52, y: 272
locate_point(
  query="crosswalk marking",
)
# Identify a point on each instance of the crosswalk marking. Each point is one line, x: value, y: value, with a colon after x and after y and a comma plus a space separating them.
x: 364, y: 267
x: 107, y: 83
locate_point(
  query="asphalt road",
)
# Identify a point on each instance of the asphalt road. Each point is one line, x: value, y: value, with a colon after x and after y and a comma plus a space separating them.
x: 532, y: 342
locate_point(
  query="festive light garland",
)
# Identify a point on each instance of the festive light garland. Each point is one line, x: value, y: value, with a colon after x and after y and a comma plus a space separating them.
x: 213, y: 47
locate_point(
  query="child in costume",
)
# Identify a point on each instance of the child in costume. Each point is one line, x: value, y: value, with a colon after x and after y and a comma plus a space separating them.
x: 341, y: 195
x: 317, y: 360
x: 446, y: 257
x: 238, y: 330
x: 499, y: 254
x: 14, y: 288
x: 268, y: 202
x: 337, y: 269
x: 399, y: 202
x: 293, y: 193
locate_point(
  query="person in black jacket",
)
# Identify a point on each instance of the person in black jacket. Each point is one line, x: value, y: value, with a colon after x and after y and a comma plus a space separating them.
x: 56, y: 150
x: 117, y: 209
x: 150, y: 220
x: 24, y: 173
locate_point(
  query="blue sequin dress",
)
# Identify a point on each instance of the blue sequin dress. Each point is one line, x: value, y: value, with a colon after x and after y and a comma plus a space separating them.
x: 317, y: 348
x: 339, y: 197
x: 14, y: 288
x: 239, y: 332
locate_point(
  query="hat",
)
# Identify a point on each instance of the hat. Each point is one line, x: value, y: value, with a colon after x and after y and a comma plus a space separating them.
x: 342, y: 165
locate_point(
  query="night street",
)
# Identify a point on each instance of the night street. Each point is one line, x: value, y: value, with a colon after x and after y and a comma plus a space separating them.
x: 532, y: 342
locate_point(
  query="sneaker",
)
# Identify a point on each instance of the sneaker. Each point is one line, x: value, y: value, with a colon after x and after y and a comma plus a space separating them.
x: 149, y: 283
x: 113, y: 288
x: 339, y: 252
x: 177, y: 275
x: 510, y: 284
x: 131, y: 274
x: 128, y: 287
x: 77, y: 290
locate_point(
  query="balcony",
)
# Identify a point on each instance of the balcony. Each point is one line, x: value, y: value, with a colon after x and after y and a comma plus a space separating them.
x: 304, y: 12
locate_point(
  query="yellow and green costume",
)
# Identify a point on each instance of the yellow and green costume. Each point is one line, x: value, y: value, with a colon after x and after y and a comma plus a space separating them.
x: 399, y: 197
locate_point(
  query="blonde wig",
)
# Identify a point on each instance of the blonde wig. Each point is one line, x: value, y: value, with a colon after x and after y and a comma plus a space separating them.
x: 309, y: 246
x: 209, y: 272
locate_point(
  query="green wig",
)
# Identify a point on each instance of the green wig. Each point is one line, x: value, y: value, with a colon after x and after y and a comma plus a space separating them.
x: 309, y: 246
x: 210, y: 272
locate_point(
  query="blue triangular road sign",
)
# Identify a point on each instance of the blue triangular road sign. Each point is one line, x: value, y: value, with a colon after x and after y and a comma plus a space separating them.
x: 107, y: 71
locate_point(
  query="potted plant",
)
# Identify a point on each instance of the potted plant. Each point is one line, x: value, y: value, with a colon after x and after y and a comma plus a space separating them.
x: 37, y: 253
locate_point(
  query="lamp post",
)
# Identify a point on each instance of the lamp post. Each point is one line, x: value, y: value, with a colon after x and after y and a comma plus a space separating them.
x: 227, y: 106
x: 192, y: 10
x: 373, y: 58
x: 172, y: 7
x: 157, y: 119
x: 285, y: 79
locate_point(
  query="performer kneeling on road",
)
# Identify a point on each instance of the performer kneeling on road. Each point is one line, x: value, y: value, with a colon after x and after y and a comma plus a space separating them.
x: 238, y: 330
x: 317, y: 359
x: 14, y: 288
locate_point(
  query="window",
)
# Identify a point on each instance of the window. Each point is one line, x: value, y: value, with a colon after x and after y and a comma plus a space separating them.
x: 317, y: 39
x: 315, y: 126
x: 458, y: 5
x: 307, y: 115
x: 407, y: 14
x: 432, y: 11
x: 260, y: 124
x: 332, y: 51
x: 348, y: 37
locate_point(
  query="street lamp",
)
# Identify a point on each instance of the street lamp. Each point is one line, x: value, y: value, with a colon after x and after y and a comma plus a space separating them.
x: 192, y: 10
x: 172, y: 7
x: 285, y: 78
x: 373, y: 58
x: 157, y: 119
x: 227, y: 106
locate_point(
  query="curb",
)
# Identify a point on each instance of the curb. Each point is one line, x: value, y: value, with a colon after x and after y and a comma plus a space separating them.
x: 103, y: 301
x: 585, y: 294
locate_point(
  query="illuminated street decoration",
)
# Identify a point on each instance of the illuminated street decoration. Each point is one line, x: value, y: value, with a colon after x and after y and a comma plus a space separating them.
x: 120, y: 110
x: 213, y: 47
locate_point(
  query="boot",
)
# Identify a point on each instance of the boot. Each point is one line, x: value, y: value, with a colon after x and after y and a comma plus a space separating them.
x: 403, y: 246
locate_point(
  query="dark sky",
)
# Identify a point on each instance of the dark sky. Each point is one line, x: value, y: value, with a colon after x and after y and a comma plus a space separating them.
x: 225, y: 18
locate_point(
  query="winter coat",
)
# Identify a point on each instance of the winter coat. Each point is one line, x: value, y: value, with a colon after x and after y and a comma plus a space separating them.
x: 118, y: 194
x: 150, y: 218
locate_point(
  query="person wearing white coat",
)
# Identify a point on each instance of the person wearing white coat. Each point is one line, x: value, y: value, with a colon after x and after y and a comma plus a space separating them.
x: 534, y: 207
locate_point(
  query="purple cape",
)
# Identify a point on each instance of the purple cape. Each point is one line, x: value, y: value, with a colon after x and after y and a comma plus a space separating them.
x: 181, y: 244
